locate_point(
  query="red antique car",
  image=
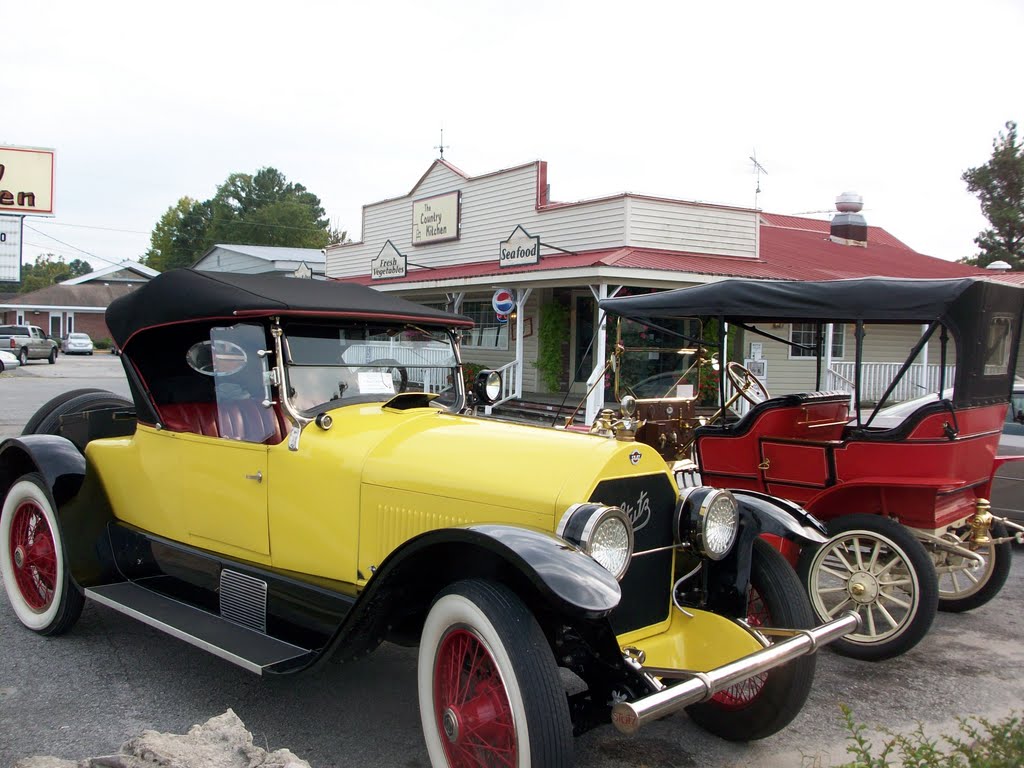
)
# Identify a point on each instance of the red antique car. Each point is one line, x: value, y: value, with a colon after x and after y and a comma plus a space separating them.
x: 905, y: 499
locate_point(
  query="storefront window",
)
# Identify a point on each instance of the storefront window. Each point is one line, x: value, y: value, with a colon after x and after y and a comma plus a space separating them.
x: 806, y: 333
x: 487, y: 332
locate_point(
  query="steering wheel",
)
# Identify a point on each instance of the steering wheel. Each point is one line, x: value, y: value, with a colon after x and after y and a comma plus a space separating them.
x: 399, y: 375
x: 747, y: 385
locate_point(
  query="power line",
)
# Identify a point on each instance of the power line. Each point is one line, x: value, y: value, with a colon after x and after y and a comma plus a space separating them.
x: 74, y: 247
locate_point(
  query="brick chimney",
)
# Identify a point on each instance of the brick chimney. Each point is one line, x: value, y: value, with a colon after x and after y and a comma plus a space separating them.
x: 849, y: 226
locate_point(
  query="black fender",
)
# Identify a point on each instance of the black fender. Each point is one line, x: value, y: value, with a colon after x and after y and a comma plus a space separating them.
x: 551, y: 576
x: 729, y: 578
x: 81, y: 504
x: 782, y: 518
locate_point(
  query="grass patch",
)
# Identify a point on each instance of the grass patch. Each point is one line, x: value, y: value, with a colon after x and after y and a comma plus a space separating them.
x: 980, y: 743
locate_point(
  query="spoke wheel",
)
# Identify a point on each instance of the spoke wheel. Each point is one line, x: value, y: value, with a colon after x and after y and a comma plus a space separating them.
x: 875, y: 567
x: 32, y: 560
x: 471, y: 703
x: 489, y: 691
x: 765, y: 704
x: 963, y: 584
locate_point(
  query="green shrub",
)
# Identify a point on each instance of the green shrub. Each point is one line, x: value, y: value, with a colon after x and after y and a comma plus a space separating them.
x: 104, y: 343
x: 987, y: 745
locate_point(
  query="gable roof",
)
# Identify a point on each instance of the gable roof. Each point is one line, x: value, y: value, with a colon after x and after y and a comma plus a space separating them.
x: 270, y: 253
x: 85, y: 296
x: 110, y: 272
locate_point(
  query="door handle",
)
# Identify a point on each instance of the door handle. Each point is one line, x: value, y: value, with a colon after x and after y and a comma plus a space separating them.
x: 258, y: 477
x: 764, y: 465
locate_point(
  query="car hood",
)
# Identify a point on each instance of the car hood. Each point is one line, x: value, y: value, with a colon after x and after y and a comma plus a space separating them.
x: 487, y: 462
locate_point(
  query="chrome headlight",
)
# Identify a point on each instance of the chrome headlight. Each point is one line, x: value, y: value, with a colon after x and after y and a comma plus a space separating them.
x: 604, y: 533
x: 487, y: 386
x: 709, y: 519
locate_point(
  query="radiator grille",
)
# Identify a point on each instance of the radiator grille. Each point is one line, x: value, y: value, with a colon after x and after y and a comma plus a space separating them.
x: 649, y: 501
x: 243, y: 600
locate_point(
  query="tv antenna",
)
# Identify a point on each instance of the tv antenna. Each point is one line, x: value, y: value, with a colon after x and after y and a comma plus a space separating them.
x: 758, y: 170
x: 442, y: 146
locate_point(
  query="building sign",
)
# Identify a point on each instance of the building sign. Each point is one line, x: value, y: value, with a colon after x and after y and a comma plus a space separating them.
x: 388, y: 263
x: 503, y: 301
x: 436, y: 219
x: 519, y: 249
x: 26, y: 181
x: 303, y: 272
x: 10, y: 249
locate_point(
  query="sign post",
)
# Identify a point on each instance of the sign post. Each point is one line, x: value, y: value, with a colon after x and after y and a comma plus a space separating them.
x: 10, y: 249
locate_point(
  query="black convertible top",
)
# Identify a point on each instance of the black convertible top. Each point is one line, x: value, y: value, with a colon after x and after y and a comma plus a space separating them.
x: 877, y: 299
x: 183, y: 295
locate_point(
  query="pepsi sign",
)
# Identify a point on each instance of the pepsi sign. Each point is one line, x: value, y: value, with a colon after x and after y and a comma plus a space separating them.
x: 503, y: 301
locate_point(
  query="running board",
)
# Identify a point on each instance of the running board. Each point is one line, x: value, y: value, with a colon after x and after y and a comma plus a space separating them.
x: 232, y: 642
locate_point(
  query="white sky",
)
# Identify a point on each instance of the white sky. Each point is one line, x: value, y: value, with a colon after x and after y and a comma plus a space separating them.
x: 146, y: 102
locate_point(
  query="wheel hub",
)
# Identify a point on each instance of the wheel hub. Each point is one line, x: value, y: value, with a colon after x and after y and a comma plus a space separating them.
x: 19, y: 556
x: 450, y: 723
x: 863, y: 587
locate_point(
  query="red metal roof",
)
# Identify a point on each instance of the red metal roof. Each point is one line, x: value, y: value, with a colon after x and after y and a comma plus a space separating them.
x: 875, y: 234
x: 792, y: 248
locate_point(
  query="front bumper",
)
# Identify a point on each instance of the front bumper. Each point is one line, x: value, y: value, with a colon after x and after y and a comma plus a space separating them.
x: 627, y: 717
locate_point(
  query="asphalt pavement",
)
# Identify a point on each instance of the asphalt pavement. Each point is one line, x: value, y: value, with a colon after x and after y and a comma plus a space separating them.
x: 85, y: 693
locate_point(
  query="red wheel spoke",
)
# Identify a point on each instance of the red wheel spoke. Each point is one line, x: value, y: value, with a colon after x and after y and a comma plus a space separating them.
x: 474, y: 716
x: 33, y: 555
x: 743, y: 693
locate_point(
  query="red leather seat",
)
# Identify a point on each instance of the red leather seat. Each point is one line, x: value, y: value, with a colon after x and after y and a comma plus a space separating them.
x: 245, y: 420
x: 248, y: 420
x: 198, y: 418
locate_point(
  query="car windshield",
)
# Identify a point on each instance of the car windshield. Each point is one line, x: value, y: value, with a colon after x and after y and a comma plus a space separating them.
x: 368, y: 361
x: 656, y: 362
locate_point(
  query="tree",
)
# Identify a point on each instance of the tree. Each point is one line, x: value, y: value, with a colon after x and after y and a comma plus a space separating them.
x: 50, y: 269
x: 180, y: 237
x: 999, y: 185
x: 260, y: 209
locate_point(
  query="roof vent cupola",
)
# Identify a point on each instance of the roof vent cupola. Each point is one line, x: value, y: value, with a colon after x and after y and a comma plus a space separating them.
x: 849, y: 226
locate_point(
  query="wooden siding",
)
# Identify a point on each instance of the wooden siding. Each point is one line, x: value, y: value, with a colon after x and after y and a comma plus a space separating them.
x: 493, y: 205
x: 221, y: 260
x: 691, y: 228
x: 882, y: 344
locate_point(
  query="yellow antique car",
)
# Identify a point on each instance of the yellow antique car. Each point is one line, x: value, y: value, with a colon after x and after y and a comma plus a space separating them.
x: 299, y: 477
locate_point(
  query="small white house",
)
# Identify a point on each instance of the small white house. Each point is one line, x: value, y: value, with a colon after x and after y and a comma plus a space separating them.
x: 258, y: 259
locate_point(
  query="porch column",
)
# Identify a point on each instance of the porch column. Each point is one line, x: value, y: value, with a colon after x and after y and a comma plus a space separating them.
x: 828, y: 356
x: 595, y: 400
x: 455, y: 301
x: 923, y: 383
x: 522, y: 294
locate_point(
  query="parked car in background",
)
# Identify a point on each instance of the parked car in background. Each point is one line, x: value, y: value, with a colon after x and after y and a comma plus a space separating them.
x: 906, y: 501
x: 28, y: 342
x: 77, y: 344
x: 8, y: 362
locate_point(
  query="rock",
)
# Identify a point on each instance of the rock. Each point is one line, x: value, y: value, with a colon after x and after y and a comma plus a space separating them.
x: 220, y: 742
